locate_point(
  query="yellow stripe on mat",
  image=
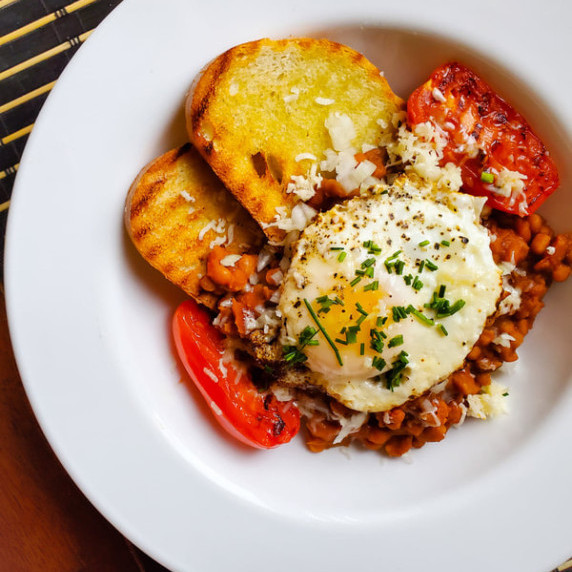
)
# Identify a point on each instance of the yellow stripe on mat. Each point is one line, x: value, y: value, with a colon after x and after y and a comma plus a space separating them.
x: 44, y: 20
x: 9, y: 171
x: 45, y: 55
x: 26, y: 97
x: 4, y: 3
x: 16, y: 135
x: 4, y: 206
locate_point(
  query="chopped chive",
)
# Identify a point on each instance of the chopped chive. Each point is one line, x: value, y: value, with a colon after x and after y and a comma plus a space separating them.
x: 505, y: 394
x: 367, y: 272
x: 372, y: 286
x: 393, y: 376
x: 360, y: 309
x: 380, y: 322
x: 351, y: 336
x: 378, y: 363
x: 421, y: 266
x: 367, y: 263
x: 399, y: 265
x: 443, y: 330
x: 420, y: 316
x: 376, y: 342
x: 325, y: 302
x: 293, y: 355
x: 336, y: 247
x: 417, y: 284
x: 487, y: 177
x: 372, y: 248
x: 445, y: 243
x: 361, y: 349
x: 355, y: 281
x: 456, y: 307
x: 342, y: 256
x: 431, y: 265
x: 360, y: 320
x: 321, y: 328
x: 408, y: 279
x: 424, y: 243
x: 399, y: 313
x: 442, y: 306
x: 395, y: 341
x: 340, y: 341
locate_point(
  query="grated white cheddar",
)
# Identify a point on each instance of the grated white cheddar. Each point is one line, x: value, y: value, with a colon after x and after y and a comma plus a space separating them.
x: 230, y: 260
x: 324, y: 101
x: 491, y: 402
x: 341, y: 129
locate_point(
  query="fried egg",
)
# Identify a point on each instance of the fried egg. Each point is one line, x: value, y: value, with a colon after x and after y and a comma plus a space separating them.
x: 387, y: 294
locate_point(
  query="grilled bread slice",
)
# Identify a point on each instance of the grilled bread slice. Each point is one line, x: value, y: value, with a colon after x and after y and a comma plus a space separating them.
x: 258, y: 115
x: 177, y: 210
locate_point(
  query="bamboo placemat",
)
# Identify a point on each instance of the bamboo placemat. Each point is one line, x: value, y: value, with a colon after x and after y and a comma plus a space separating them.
x: 37, y: 40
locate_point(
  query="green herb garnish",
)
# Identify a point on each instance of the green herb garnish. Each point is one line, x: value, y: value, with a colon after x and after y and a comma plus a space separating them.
x: 371, y: 286
x: 420, y: 316
x: 431, y: 265
x: 395, y: 341
x: 321, y: 328
x: 487, y: 177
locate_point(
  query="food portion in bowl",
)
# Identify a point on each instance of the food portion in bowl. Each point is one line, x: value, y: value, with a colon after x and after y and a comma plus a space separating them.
x: 356, y: 264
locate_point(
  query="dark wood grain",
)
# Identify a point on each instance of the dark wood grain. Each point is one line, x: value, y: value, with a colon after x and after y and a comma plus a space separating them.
x: 45, y: 521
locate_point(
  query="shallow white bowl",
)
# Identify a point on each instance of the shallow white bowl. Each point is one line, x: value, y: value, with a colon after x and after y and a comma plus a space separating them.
x: 90, y: 320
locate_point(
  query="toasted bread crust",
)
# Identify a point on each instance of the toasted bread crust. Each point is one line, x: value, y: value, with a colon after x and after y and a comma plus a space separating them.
x: 167, y: 208
x: 260, y: 105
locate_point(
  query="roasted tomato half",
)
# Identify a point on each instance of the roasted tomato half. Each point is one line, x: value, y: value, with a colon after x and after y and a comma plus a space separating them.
x: 499, y: 154
x: 256, y: 418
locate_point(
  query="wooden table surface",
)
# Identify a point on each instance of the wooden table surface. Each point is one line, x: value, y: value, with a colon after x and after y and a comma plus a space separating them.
x: 45, y: 521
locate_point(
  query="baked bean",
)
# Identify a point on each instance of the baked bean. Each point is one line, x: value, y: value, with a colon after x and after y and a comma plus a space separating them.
x: 323, y: 429
x: 536, y: 222
x: 378, y: 436
x: 522, y: 228
x: 561, y: 273
x: 433, y: 434
x: 539, y: 243
x: 398, y: 445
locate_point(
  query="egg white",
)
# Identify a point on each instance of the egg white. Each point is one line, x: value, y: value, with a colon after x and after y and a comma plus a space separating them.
x: 413, y: 233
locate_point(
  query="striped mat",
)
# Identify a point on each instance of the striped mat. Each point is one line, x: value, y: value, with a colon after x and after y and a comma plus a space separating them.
x: 37, y: 40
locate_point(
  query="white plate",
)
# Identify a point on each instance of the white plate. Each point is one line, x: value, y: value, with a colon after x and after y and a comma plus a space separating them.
x: 89, y: 319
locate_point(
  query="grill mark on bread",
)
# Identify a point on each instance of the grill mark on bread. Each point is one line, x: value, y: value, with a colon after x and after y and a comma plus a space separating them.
x: 164, y: 228
x: 139, y: 234
x: 143, y: 199
x: 182, y: 150
x: 222, y: 63
x: 208, y: 148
